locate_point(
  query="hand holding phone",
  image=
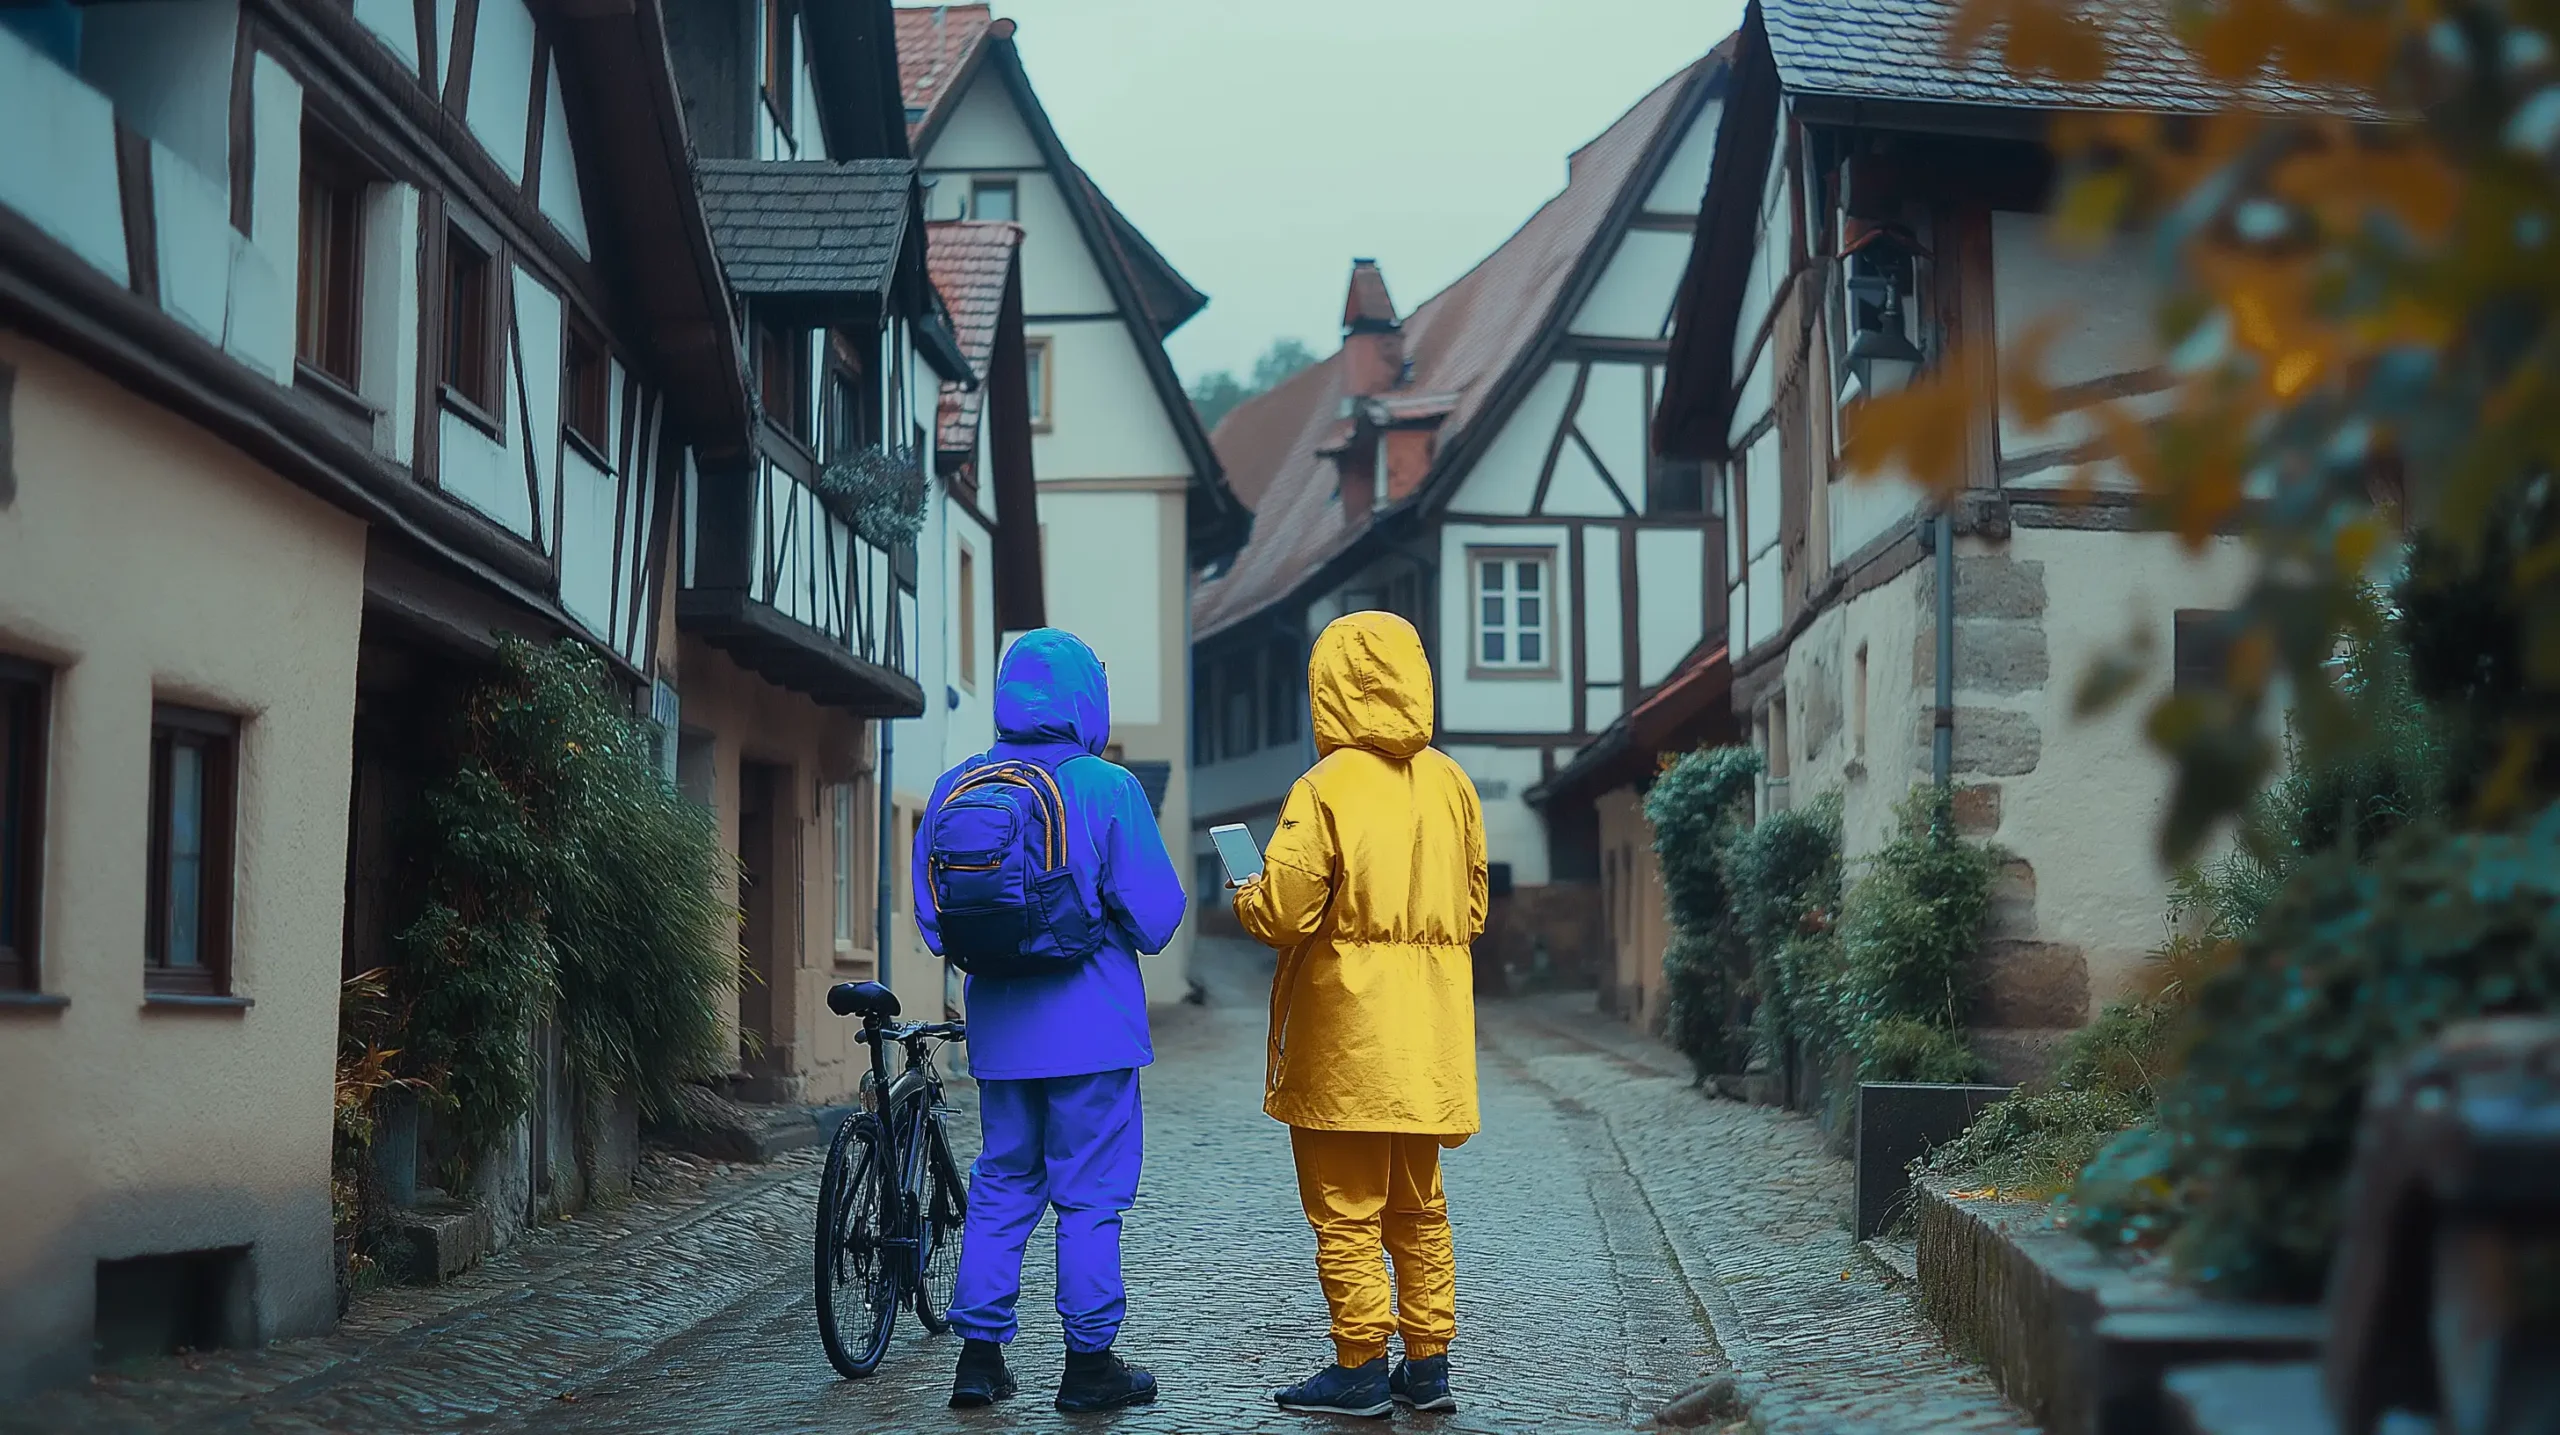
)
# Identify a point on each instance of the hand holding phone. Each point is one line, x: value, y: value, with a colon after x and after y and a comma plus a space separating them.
x: 1237, y: 853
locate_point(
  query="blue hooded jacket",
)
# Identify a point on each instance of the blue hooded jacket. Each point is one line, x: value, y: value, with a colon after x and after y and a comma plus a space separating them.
x: 1053, y: 706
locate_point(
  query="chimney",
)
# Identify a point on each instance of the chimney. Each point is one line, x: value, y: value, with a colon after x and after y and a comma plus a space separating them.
x: 1372, y: 336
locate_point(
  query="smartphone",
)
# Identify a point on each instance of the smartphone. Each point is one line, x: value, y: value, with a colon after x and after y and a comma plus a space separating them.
x: 1237, y: 853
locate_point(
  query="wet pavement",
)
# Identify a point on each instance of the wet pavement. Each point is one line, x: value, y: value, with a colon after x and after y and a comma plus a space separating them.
x: 1610, y: 1224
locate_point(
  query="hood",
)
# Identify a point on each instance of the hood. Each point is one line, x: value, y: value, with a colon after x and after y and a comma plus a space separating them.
x: 1369, y: 685
x: 1051, y: 689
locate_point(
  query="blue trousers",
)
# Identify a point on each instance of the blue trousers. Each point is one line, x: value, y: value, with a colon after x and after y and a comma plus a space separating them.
x: 1073, y: 1142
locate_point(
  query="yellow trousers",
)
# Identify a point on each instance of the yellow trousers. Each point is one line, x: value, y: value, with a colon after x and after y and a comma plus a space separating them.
x: 1367, y: 1191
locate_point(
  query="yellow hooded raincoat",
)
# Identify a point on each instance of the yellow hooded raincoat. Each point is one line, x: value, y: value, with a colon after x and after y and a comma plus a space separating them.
x: 1373, y: 890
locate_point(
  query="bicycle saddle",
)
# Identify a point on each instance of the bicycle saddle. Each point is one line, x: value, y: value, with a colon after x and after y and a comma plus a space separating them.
x: 862, y: 999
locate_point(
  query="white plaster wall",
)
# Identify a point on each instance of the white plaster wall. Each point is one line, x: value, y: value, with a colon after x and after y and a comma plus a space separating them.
x: 1575, y: 489
x: 589, y: 501
x: 193, y: 212
x: 1682, y: 187
x: 563, y: 194
x: 1097, y: 592
x: 1633, y: 298
x: 498, y: 109
x: 1602, y: 614
x: 162, y: 1131
x: 1863, y: 509
x: 1670, y: 598
x: 1527, y: 704
x: 1514, y: 832
x: 258, y: 324
x: 166, y: 65
x: 396, y: 23
x: 59, y: 166
x: 1105, y: 420
x: 1505, y: 476
x: 2089, y: 816
x: 540, y: 361
x: 387, y: 367
x: 2101, y: 304
x: 1614, y: 421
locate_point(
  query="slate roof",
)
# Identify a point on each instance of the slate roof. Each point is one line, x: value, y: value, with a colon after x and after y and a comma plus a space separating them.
x: 1896, y: 49
x: 969, y: 261
x: 1461, y: 342
x: 808, y: 227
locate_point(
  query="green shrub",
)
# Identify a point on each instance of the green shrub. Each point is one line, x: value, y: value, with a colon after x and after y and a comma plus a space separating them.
x: 2353, y: 966
x: 1695, y: 806
x: 1784, y: 872
x: 565, y: 880
x: 1912, y: 927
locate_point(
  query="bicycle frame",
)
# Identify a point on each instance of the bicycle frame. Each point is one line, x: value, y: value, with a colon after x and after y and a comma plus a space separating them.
x: 905, y: 1105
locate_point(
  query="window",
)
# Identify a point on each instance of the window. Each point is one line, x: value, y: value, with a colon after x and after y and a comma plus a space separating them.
x: 992, y: 199
x: 782, y: 367
x: 2201, y: 650
x: 840, y: 843
x: 1280, y: 693
x: 471, y: 327
x: 1204, y: 712
x: 330, y: 283
x: 192, y: 766
x: 1512, y: 610
x: 587, y: 392
x: 1858, y: 709
x: 1679, y: 486
x: 1035, y: 370
x: 1237, y: 702
x: 967, y: 607
x: 779, y: 66
x: 23, y: 709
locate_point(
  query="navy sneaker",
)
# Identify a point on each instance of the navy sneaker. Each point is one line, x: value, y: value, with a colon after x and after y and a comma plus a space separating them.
x: 1337, y: 1390
x: 1101, y: 1380
x: 981, y: 1378
x: 1423, y: 1384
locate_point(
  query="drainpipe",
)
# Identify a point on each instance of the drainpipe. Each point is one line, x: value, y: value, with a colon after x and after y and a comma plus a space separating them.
x: 888, y: 837
x: 1942, y: 736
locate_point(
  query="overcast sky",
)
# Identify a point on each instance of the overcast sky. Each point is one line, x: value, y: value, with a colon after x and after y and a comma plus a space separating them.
x: 1261, y: 144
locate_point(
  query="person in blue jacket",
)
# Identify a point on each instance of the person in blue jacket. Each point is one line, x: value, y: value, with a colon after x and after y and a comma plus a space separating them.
x: 1057, y: 1057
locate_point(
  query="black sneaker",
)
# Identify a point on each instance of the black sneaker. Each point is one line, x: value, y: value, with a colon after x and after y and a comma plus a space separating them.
x: 1101, y: 1380
x: 1340, y: 1390
x: 1423, y: 1384
x: 982, y: 1378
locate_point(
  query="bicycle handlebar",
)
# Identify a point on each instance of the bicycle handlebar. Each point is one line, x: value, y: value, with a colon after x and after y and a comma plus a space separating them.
x: 916, y: 1031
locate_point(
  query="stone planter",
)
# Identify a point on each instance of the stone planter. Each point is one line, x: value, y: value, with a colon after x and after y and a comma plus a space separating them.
x: 2078, y: 1341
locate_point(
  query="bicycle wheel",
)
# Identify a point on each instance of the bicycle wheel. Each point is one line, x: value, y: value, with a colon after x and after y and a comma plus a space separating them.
x: 946, y: 1211
x: 857, y: 1279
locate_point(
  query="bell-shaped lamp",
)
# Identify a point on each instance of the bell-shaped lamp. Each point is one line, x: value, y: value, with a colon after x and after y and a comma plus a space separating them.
x: 1883, y: 358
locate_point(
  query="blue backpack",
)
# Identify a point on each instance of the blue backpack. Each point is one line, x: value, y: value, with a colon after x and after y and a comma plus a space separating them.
x: 998, y: 861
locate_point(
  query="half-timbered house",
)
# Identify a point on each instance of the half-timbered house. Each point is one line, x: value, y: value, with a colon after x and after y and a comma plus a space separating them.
x: 1479, y: 465
x: 1131, y: 497
x: 1878, y: 206
x: 335, y: 335
x: 798, y: 603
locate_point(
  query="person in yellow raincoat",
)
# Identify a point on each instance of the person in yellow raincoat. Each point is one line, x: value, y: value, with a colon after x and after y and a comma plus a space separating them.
x: 1373, y: 891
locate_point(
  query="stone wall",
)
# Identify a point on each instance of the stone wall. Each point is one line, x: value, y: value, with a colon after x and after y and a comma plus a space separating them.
x: 1566, y: 917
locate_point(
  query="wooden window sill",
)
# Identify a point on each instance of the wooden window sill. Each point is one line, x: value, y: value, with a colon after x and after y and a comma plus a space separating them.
x: 1506, y: 675
x: 194, y: 1001
x: 458, y: 403
x: 32, y: 1002
x: 594, y: 454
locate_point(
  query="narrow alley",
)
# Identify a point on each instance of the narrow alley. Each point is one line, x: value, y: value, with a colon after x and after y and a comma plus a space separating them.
x: 1620, y: 1240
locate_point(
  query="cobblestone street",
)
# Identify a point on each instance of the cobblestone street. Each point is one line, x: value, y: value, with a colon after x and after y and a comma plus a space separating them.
x: 1619, y: 1239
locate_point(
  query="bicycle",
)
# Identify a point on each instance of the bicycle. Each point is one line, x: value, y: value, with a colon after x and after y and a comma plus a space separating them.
x: 891, y: 1204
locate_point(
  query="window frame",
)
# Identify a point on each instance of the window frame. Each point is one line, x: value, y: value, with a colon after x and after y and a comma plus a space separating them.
x: 2200, y: 642
x: 1511, y: 556
x: 1038, y: 370
x: 586, y: 391
x: 1008, y: 186
x: 1282, y: 676
x: 772, y: 341
x: 778, y: 85
x: 965, y: 604
x: 217, y: 737
x: 26, y: 702
x: 471, y: 372
x: 842, y: 819
x: 329, y: 171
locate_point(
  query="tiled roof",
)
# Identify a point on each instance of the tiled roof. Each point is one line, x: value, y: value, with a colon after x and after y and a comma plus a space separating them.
x: 1461, y: 342
x: 969, y: 261
x: 1896, y: 49
x: 808, y: 226
x: 934, y: 45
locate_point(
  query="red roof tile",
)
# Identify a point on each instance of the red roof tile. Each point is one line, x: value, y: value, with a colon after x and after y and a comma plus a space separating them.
x: 934, y: 43
x: 1461, y: 342
x: 969, y: 261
